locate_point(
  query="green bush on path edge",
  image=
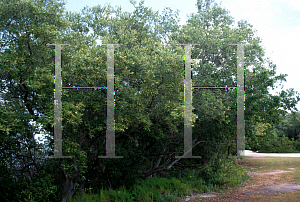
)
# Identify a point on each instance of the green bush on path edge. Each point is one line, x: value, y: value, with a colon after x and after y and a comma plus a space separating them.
x: 168, y: 189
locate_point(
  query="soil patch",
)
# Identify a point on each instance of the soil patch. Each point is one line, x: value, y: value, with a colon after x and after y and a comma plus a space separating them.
x: 284, y: 187
x: 195, y: 196
x: 262, y: 186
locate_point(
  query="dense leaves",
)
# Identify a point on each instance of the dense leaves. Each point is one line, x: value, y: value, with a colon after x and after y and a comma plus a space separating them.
x: 149, y: 94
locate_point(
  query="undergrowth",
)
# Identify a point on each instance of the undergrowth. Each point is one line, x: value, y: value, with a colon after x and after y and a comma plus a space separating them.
x: 180, y: 184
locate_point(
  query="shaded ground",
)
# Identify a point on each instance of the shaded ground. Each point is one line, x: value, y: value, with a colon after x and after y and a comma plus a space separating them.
x: 270, y: 179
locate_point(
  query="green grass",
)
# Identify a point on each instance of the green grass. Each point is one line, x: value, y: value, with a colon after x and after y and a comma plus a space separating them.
x: 274, y: 163
x: 180, y: 184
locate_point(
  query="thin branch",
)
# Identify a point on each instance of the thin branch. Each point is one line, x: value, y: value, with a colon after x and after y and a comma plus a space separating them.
x: 152, y: 100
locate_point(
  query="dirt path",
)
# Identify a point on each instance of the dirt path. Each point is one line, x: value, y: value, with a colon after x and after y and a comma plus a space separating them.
x: 270, y: 180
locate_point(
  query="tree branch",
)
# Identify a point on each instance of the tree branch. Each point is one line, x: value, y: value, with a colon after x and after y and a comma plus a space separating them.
x: 149, y: 172
x: 152, y: 100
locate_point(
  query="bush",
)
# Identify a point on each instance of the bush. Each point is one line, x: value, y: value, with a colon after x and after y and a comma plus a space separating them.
x: 297, y: 145
x: 9, y: 187
x: 181, y: 182
x: 41, y: 189
x: 275, y: 144
x: 224, y: 171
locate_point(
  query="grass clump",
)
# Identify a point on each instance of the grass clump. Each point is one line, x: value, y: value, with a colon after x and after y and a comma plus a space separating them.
x: 182, y: 183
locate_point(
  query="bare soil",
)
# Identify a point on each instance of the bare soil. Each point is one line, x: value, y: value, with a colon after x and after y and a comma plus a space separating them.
x: 263, y: 185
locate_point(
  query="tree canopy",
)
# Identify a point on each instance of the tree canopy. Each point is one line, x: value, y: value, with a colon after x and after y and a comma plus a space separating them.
x: 149, y: 93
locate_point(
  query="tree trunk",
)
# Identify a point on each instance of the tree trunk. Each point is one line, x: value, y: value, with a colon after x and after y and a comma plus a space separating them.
x: 81, y: 188
x: 69, y: 189
x: 69, y: 183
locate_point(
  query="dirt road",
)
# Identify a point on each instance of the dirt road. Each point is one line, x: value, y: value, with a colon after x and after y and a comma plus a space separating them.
x: 272, y: 178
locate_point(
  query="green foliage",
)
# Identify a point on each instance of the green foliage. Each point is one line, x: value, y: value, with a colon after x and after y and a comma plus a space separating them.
x: 290, y: 125
x: 149, y: 99
x: 168, y: 189
x: 42, y: 188
x: 9, y: 188
x: 223, y: 171
x: 279, y: 138
x: 276, y: 144
x: 297, y: 145
x: 80, y: 156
